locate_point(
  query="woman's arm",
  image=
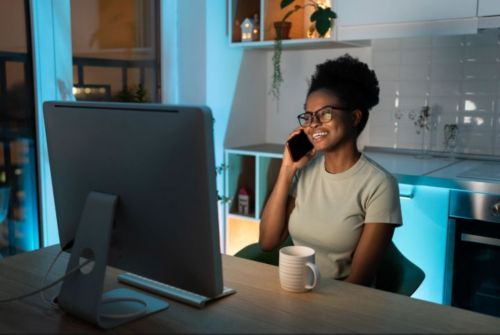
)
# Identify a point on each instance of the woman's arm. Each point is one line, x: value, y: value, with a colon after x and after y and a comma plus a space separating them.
x: 274, y: 222
x: 369, y: 252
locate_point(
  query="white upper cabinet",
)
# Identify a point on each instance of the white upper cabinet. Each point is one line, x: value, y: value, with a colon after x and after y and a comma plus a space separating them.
x: 489, y: 13
x: 369, y: 19
x: 488, y: 7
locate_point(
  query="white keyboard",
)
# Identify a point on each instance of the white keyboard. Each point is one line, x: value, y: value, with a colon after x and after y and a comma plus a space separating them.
x: 169, y: 291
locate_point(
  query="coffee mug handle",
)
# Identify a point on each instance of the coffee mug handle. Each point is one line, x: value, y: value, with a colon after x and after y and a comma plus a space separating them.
x: 316, y: 277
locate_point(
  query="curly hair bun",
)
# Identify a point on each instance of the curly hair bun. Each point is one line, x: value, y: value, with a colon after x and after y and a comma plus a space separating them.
x: 350, y: 79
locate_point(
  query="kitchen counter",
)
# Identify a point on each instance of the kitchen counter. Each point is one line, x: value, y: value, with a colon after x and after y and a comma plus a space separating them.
x: 469, y: 173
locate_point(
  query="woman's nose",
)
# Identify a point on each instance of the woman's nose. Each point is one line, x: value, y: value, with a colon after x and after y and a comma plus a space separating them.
x: 315, y: 121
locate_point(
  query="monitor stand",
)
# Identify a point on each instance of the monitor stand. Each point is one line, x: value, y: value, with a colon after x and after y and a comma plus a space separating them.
x: 82, y: 292
x: 172, y: 292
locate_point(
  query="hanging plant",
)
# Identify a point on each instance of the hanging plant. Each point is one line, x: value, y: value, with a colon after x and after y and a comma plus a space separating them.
x: 321, y: 17
x: 277, y: 75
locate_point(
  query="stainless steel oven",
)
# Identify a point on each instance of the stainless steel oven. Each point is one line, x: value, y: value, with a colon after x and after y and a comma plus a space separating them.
x: 475, y: 240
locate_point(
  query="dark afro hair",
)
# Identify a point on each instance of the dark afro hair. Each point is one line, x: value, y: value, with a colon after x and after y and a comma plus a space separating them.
x: 354, y: 84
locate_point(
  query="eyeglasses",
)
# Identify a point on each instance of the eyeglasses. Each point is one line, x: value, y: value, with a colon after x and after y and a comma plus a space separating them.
x: 323, y: 115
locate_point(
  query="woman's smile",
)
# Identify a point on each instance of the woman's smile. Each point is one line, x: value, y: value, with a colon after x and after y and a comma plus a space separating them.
x: 318, y: 135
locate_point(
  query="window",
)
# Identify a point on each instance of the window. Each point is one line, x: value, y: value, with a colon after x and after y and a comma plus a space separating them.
x: 116, y: 55
x: 19, y: 224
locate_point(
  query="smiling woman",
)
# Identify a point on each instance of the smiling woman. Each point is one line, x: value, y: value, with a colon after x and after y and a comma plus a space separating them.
x: 334, y: 199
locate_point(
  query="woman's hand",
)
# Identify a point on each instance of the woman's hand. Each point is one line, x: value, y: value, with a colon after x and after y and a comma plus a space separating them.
x: 288, y: 162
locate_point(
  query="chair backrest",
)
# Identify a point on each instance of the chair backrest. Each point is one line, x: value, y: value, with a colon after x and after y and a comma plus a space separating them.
x: 398, y: 274
x: 255, y: 253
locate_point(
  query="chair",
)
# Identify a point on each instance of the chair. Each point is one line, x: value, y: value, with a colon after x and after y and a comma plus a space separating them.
x: 255, y: 253
x: 396, y: 273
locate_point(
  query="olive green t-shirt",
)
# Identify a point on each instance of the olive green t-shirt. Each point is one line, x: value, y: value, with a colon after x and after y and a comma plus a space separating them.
x: 330, y: 210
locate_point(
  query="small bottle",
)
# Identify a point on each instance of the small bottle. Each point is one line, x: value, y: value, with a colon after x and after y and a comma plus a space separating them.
x: 243, y: 201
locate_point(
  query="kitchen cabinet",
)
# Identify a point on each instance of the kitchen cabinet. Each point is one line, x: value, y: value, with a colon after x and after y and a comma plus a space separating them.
x: 488, y: 7
x: 250, y: 176
x: 423, y: 236
x: 368, y: 19
x: 489, y: 13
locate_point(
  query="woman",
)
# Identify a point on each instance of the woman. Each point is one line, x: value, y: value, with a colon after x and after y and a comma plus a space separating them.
x: 335, y: 200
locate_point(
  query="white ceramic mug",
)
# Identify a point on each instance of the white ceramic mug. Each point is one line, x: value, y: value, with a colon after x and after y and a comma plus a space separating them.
x: 297, y: 269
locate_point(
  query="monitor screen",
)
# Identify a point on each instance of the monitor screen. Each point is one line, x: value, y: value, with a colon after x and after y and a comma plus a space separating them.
x: 159, y: 161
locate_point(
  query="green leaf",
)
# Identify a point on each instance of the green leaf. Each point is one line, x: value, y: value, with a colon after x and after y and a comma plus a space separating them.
x: 323, y: 18
x: 285, y: 3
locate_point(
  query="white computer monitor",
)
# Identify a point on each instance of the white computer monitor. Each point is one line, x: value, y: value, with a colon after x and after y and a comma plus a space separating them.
x: 159, y: 162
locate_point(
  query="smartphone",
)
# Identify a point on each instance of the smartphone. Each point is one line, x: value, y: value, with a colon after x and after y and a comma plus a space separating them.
x: 299, y: 145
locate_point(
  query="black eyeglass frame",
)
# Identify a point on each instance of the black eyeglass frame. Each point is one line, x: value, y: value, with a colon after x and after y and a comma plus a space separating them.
x: 314, y: 114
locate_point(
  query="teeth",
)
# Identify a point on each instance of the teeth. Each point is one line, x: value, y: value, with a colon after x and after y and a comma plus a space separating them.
x: 318, y: 135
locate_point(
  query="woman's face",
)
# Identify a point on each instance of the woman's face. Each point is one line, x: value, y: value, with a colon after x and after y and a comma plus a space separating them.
x: 340, y: 129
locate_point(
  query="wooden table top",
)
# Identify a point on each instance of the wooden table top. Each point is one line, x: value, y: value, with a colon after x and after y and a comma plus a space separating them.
x: 259, y: 306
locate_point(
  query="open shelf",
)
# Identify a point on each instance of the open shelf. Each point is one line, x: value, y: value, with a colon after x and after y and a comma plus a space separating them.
x: 267, y: 12
x: 263, y: 14
x: 241, y: 176
x: 256, y: 169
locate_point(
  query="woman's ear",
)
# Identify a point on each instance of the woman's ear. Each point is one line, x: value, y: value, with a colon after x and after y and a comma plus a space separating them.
x: 356, y: 114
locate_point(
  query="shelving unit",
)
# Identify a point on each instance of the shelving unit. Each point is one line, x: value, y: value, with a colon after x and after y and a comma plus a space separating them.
x: 255, y: 169
x: 269, y: 11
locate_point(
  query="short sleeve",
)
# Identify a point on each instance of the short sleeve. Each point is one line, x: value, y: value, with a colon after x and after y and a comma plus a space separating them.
x: 383, y: 205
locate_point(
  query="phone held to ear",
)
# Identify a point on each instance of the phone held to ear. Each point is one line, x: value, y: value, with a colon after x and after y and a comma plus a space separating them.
x: 299, y: 145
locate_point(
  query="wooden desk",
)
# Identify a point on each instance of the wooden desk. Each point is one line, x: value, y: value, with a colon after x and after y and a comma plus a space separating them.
x: 259, y: 306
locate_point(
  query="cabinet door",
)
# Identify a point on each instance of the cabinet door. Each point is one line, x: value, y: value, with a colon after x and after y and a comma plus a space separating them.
x: 488, y: 7
x: 359, y: 12
x: 368, y: 19
x: 422, y: 238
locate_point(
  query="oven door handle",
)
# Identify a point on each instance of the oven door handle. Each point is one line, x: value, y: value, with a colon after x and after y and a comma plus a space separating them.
x: 480, y: 239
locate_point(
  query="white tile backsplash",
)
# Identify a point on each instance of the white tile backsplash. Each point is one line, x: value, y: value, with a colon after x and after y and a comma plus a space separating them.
x: 457, y: 76
x: 418, y: 56
x: 480, y: 71
x: 386, y: 57
x: 446, y: 88
x: 388, y: 72
x: 414, y: 88
x: 446, y: 71
x: 414, y: 72
x: 481, y: 54
x: 453, y: 55
x: 479, y: 87
x: 448, y: 41
x: 486, y: 38
x: 389, y: 88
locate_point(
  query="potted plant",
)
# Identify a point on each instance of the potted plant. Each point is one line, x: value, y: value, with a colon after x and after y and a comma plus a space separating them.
x: 321, y: 18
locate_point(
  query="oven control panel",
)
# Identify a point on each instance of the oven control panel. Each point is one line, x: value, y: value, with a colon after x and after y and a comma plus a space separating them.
x: 475, y: 206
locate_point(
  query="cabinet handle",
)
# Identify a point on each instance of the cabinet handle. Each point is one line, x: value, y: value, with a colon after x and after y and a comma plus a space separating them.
x: 481, y: 239
x: 406, y: 196
x: 406, y: 191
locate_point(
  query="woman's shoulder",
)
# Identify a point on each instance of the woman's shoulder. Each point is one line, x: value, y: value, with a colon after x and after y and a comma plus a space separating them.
x: 376, y: 171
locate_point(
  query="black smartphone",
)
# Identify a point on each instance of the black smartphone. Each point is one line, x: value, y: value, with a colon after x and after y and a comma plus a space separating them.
x: 299, y: 145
